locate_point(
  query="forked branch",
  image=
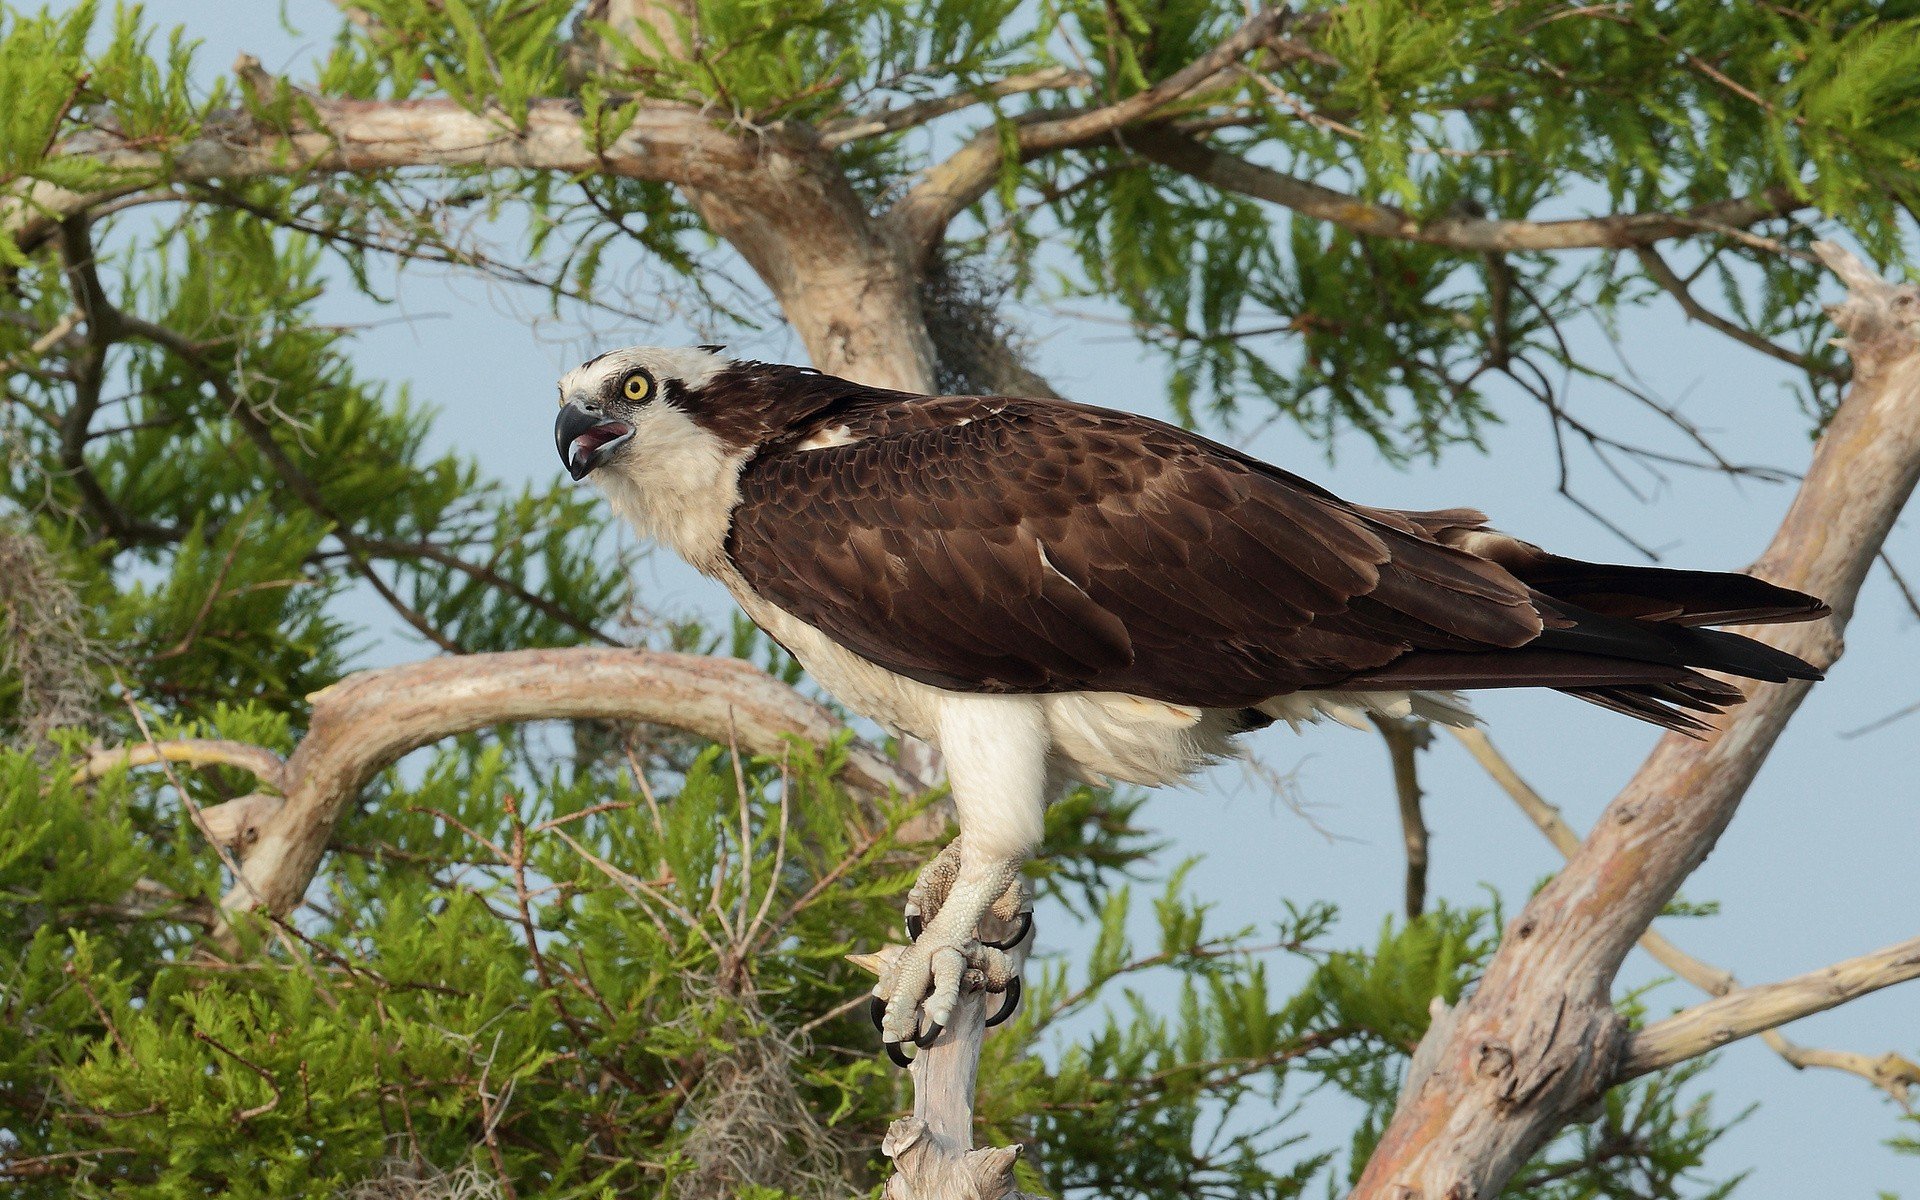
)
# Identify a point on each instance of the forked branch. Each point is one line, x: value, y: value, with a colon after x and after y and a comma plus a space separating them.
x: 1892, y: 1073
x: 1539, y: 1040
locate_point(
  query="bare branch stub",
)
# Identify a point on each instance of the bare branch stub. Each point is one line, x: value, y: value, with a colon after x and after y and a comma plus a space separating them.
x: 932, y: 1148
x: 1539, y: 1039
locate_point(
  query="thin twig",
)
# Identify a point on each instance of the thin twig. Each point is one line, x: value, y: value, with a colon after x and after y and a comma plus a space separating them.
x: 258, y: 1110
x: 1405, y: 738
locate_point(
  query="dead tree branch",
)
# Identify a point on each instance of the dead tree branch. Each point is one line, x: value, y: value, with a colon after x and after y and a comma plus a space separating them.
x: 932, y: 1148
x: 1539, y: 1040
x: 1753, y: 1010
x: 1891, y: 1073
x: 369, y: 720
x: 266, y: 766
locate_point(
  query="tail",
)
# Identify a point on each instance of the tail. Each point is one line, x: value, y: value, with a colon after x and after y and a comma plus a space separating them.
x: 1633, y: 639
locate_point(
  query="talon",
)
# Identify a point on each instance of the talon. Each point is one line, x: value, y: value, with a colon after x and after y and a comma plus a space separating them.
x: 915, y: 923
x: 1019, y: 934
x: 900, y: 1057
x: 877, y: 1011
x: 923, y: 1040
x: 1008, y: 1005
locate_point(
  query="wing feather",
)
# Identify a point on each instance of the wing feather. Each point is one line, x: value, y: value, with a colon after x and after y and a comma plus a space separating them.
x: 990, y: 544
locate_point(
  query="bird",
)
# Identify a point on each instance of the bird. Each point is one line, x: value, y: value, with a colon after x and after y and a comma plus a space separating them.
x: 1047, y: 591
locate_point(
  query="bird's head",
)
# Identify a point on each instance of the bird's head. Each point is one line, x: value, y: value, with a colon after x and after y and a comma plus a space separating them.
x: 630, y: 404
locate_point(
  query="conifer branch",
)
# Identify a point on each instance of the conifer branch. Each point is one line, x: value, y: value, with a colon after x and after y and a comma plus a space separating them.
x: 1192, y: 157
x: 948, y: 189
x: 838, y: 133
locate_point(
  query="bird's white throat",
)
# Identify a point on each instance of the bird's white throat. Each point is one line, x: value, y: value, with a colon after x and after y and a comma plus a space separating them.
x: 676, y: 484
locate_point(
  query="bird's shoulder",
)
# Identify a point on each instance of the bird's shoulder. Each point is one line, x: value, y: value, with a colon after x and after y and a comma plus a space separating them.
x: 905, y: 446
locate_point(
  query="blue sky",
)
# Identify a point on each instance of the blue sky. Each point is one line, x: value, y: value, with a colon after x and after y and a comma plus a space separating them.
x: 1819, y: 865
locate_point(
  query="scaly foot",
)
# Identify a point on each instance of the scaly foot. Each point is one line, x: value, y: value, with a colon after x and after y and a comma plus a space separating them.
x: 929, y: 894
x: 917, y: 971
x: 944, y: 909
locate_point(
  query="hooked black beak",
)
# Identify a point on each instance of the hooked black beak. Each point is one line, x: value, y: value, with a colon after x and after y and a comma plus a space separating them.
x: 587, y: 439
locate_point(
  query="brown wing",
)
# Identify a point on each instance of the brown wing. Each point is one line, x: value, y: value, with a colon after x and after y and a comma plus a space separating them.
x: 1000, y: 545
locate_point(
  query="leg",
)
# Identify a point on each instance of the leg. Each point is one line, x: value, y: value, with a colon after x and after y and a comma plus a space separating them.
x: 996, y: 753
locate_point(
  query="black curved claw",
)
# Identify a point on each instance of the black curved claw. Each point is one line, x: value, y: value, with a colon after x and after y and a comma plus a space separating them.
x: 877, y: 1011
x: 1019, y: 934
x: 914, y: 925
x: 900, y: 1057
x: 923, y: 1040
x: 1008, y: 1005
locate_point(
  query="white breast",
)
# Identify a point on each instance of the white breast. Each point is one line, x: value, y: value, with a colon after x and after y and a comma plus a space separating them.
x: 1094, y: 736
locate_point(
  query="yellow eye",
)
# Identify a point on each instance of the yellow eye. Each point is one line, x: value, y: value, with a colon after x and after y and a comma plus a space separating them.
x: 636, y: 387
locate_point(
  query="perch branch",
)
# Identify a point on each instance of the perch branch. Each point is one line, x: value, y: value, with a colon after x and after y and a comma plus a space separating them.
x: 1539, y: 1040
x: 932, y: 1149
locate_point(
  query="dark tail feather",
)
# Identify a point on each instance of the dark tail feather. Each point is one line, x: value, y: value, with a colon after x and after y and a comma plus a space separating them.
x: 1627, y: 638
x: 1667, y: 596
x: 1578, y: 631
x: 1625, y: 659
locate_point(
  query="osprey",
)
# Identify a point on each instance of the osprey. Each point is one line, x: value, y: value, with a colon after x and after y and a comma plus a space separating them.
x: 1049, y: 591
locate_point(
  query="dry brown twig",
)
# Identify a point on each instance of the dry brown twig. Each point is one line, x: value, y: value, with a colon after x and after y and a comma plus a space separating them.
x: 1405, y: 738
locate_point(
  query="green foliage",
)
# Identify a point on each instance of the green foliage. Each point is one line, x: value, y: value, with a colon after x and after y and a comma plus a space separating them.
x: 215, y: 490
x: 593, y: 987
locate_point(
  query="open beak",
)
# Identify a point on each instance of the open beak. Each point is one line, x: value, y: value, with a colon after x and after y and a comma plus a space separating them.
x: 587, y: 439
